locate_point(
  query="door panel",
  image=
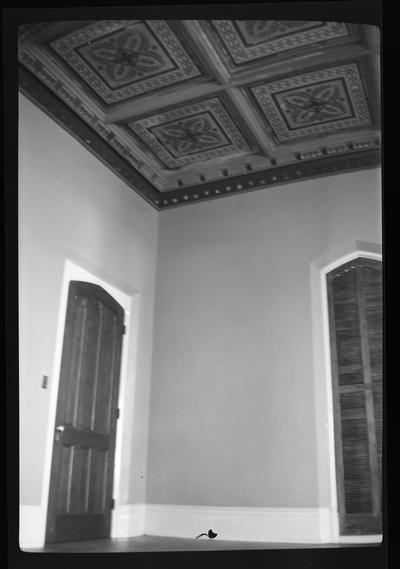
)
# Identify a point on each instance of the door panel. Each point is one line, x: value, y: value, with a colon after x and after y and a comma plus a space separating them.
x: 80, y: 497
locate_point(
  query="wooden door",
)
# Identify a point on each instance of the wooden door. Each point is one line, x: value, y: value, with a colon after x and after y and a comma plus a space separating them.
x: 355, y: 314
x: 80, y: 497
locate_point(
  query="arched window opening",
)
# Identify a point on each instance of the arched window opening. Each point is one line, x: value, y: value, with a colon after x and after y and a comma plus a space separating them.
x: 355, y: 322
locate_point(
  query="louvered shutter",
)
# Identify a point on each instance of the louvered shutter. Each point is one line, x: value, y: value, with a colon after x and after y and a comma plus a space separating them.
x: 355, y: 315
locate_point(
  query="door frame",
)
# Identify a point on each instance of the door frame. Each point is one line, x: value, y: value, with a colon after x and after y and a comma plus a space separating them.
x: 330, y: 530
x: 130, y: 303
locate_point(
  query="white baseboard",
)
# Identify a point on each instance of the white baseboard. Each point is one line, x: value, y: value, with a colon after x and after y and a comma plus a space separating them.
x: 278, y: 525
x: 32, y: 524
x: 128, y: 520
x: 360, y: 539
x: 328, y: 525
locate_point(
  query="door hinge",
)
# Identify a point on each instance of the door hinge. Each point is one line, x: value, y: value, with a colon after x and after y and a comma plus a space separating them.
x: 112, y: 503
x: 123, y: 329
x: 118, y: 413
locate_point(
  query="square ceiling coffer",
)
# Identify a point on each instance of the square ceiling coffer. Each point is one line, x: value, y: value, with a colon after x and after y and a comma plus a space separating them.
x: 187, y: 134
x: 120, y: 61
x: 322, y: 102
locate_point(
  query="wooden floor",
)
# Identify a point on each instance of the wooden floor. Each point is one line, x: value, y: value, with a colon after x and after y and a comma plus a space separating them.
x: 159, y: 543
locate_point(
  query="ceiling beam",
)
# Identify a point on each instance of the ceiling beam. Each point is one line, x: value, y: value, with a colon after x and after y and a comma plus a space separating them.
x: 297, y: 64
x: 206, y: 50
x: 154, y: 102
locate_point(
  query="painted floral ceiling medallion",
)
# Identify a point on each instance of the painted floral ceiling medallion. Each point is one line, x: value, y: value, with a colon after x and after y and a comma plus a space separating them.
x: 315, y: 103
x: 184, y: 135
x: 124, y: 61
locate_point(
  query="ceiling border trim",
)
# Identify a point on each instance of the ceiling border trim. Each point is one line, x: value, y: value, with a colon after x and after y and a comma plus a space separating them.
x: 298, y: 172
x: 335, y: 160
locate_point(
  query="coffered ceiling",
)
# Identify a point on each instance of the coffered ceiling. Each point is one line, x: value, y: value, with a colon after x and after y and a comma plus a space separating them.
x: 187, y: 110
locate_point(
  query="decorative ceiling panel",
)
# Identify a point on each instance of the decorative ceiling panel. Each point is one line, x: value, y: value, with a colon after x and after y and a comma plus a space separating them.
x: 311, y: 104
x: 121, y: 61
x: 186, y: 110
x: 247, y: 40
x: 190, y: 133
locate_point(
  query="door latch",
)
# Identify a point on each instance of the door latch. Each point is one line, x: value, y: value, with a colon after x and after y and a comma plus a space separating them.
x: 59, y: 429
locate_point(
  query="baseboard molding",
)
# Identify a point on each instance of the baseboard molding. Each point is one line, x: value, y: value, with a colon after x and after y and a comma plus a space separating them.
x: 128, y: 520
x: 357, y: 539
x: 32, y: 523
x: 278, y: 525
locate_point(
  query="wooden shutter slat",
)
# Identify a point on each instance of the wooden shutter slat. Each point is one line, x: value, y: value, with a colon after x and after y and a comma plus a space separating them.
x: 357, y: 478
x: 355, y: 453
x: 377, y: 399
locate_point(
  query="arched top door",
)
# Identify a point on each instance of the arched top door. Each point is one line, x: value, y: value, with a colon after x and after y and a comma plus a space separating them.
x: 80, y: 496
x: 355, y: 321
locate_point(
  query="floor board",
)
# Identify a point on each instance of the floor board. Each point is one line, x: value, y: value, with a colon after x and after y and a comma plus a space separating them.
x: 160, y: 543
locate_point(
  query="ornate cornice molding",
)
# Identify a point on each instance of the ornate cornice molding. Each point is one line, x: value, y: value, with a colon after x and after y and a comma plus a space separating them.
x: 325, y: 161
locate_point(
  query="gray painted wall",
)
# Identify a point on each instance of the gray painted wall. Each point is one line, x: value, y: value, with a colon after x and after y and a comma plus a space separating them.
x: 233, y: 401
x: 70, y: 205
x: 232, y: 417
